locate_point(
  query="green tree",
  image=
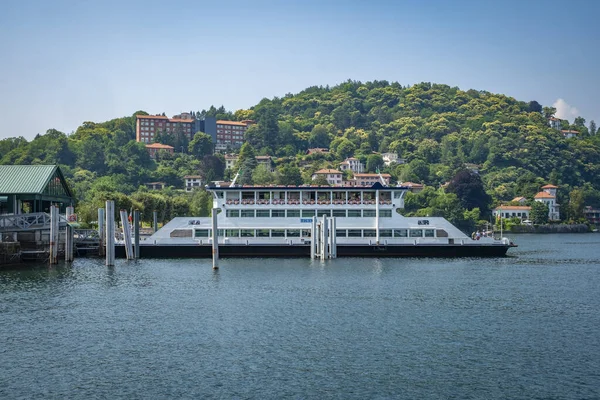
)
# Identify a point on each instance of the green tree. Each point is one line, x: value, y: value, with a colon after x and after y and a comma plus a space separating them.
x: 539, y: 213
x: 374, y: 162
x: 319, y: 137
x: 289, y: 175
x: 246, y: 163
x: 262, y: 175
x: 593, y: 130
x: 201, y: 145
x: 470, y: 191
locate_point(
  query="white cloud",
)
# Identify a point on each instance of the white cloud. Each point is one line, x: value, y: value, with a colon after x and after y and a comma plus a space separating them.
x: 564, y: 110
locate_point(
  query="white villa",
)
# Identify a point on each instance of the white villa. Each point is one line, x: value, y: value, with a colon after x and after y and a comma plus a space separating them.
x: 353, y: 164
x: 548, y: 197
x: 192, y: 182
x: 512, y: 211
x: 389, y: 158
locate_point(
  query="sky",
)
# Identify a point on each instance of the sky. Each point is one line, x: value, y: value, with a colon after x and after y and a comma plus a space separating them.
x: 65, y: 62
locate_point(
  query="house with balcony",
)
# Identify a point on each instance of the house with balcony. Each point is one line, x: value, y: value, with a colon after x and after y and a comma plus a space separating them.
x: 353, y: 164
x: 548, y: 197
x: 154, y: 148
x: 570, y: 134
x: 503, y: 211
x: 554, y: 123
x: 370, y: 179
x: 389, y: 158
x: 333, y: 176
x: 192, y: 182
x: 415, y: 187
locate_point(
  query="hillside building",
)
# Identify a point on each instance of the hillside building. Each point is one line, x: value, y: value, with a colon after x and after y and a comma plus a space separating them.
x: 333, y: 176
x: 548, y: 197
x: 353, y: 164
x: 148, y: 126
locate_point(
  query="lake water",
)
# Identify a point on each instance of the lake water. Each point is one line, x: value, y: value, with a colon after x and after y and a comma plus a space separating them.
x: 521, y: 327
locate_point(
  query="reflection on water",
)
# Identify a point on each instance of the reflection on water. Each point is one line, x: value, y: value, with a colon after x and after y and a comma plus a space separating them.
x: 524, y: 326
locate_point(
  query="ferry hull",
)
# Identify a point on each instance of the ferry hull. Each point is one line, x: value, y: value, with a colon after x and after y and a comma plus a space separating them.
x: 226, y: 251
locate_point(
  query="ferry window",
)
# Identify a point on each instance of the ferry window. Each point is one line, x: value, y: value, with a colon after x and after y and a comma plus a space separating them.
x: 306, y: 233
x: 354, y: 233
x: 308, y: 213
x: 262, y: 233
x: 385, y: 232
x: 442, y: 233
x: 340, y: 232
x: 247, y: 214
x: 429, y: 233
x: 293, y: 233
x: 293, y: 213
x: 232, y: 232
x: 400, y: 233
x: 247, y: 232
x: 320, y: 213
x: 369, y: 213
x: 354, y: 213
x: 219, y: 194
x: 201, y: 233
x: 232, y: 213
x: 416, y: 233
x: 397, y: 194
x: 263, y: 213
x: 278, y: 233
x: 385, y: 213
x: 278, y: 213
x: 369, y: 233
x: 339, y: 213
x: 220, y: 233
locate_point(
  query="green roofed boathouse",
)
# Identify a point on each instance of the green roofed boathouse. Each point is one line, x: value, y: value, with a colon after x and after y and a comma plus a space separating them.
x: 33, y: 188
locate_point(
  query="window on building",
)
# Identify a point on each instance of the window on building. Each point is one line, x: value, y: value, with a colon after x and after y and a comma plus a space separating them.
x: 339, y: 213
x: 293, y: 233
x: 247, y: 214
x: 231, y: 213
x: 385, y: 233
x: 369, y: 213
x: 416, y: 233
x: 263, y: 213
x: 278, y: 213
x: 308, y: 213
x: 354, y: 213
x: 293, y: 213
x: 400, y: 233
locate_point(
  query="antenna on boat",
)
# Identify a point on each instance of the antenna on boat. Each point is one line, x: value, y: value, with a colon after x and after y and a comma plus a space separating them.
x: 235, y: 178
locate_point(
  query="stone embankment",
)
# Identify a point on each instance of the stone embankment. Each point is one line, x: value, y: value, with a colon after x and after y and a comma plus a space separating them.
x: 551, y: 228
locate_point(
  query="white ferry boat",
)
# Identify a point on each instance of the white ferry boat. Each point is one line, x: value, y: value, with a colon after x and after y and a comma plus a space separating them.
x: 292, y: 221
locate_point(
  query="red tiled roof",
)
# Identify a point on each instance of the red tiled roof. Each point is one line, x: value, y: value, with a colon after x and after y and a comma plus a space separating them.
x: 544, y: 195
x: 151, y: 117
x: 223, y: 122
x: 372, y: 175
x: 192, y: 177
x: 503, y: 207
x: 328, y: 171
x: 158, y: 146
x: 186, y: 121
x: 549, y: 187
x: 519, y: 198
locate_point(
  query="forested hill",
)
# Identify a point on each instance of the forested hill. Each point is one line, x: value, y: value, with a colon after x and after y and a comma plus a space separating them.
x: 434, y: 128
